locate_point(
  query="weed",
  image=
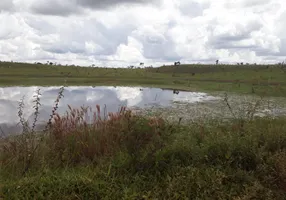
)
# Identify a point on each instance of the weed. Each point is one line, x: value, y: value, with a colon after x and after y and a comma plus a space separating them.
x: 88, y: 153
x: 60, y: 95
x: 36, y: 107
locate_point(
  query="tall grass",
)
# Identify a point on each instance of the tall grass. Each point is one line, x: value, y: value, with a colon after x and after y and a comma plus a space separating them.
x: 90, y: 154
x: 72, y: 139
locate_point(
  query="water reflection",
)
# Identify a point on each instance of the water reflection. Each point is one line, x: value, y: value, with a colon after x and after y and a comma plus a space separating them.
x: 112, y: 97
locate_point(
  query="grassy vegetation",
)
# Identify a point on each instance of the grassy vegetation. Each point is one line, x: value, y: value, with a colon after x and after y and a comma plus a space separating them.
x: 128, y: 156
x: 267, y: 80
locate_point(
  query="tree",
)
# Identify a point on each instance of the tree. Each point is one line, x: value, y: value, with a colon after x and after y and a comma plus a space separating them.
x: 177, y: 63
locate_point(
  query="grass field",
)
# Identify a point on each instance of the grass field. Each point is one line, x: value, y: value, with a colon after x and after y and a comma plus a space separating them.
x: 249, y: 79
x: 133, y: 156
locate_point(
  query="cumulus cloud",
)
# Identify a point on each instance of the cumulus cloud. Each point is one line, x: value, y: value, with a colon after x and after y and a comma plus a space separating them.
x: 193, y: 8
x: 6, y: 5
x: 54, y: 7
x: 248, y: 3
x: 101, y: 4
x: 236, y: 36
x: 156, y: 32
x: 72, y: 7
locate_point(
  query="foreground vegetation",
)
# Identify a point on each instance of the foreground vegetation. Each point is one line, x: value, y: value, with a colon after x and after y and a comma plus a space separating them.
x: 248, y: 79
x: 128, y: 156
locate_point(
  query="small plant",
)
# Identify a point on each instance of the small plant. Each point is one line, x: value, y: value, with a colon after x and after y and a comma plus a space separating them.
x: 244, y: 116
x: 21, y: 150
x: 36, y: 107
x: 23, y: 122
x: 60, y: 95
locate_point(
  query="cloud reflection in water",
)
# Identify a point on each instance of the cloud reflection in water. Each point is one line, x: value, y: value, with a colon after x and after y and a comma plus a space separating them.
x: 112, y: 97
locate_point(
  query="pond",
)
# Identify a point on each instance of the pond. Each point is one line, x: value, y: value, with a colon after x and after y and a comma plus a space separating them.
x: 111, y: 97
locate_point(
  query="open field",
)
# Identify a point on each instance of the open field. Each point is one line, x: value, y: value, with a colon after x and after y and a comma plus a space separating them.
x: 248, y: 79
x: 151, y: 154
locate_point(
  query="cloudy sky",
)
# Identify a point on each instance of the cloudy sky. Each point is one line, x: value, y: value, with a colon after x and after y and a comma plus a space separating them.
x: 127, y: 32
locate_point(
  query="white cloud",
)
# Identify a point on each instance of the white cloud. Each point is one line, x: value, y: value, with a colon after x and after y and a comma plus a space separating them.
x: 6, y: 5
x: 131, y: 52
x: 54, y: 7
x: 156, y: 32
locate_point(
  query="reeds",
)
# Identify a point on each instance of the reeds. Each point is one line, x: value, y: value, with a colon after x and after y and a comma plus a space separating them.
x: 75, y: 139
x: 80, y: 135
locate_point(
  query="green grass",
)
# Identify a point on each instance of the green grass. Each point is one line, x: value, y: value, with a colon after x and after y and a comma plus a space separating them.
x: 130, y: 156
x: 259, y: 79
x: 211, y: 161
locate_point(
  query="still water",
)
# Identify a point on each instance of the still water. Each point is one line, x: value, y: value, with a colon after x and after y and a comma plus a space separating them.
x: 111, y: 97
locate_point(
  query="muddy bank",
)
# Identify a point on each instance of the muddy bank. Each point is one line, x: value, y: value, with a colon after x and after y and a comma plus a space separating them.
x: 237, y: 106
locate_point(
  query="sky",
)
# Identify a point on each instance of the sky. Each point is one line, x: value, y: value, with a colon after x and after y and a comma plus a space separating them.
x: 120, y: 33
